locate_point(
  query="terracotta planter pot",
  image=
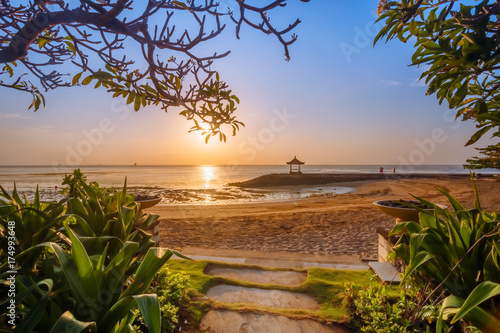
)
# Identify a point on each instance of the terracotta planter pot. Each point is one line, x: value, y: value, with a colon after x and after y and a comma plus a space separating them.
x: 400, y: 213
x: 145, y: 204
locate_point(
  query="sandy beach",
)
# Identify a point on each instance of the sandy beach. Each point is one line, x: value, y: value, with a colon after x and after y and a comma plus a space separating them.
x: 325, y: 225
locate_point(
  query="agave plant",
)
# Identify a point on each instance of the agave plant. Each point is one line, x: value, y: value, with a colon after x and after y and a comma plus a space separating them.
x: 35, y: 222
x: 81, y: 266
x: 460, y: 251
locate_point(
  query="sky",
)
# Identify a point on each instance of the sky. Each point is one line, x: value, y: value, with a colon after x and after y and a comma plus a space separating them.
x: 339, y: 100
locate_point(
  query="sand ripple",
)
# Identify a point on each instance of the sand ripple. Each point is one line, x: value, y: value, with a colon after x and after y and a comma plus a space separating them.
x: 329, y: 233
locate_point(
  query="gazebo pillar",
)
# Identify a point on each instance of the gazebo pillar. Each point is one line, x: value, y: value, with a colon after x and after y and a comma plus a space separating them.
x: 296, y: 162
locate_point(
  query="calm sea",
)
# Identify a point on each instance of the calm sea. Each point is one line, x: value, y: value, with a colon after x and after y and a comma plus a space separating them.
x: 194, y: 184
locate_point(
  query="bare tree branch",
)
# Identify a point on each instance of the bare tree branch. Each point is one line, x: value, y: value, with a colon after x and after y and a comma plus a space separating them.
x: 94, y: 37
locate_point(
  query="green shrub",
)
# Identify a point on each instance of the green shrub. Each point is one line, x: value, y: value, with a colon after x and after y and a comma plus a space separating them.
x: 373, y: 311
x: 172, y: 291
x: 80, y: 265
x: 460, y: 251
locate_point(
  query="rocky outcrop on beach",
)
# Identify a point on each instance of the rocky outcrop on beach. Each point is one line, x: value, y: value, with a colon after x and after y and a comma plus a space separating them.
x: 284, y: 179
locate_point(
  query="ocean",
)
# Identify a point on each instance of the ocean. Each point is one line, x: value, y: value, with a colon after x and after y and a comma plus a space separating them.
x: 199, y: 185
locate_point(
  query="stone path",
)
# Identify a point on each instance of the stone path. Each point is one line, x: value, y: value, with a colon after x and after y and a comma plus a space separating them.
x: 227, y: 321
x: 288, y: 278
x: 266, y: 297
x: 232, y: 321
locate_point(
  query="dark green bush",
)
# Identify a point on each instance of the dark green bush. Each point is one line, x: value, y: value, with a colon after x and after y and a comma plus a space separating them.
x: 373, y: 311
x: 172, y: 291
x: 459, y: 250
x: 79, y: 264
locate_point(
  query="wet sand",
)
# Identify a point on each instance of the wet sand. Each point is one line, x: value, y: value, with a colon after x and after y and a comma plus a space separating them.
x: 340, y: 225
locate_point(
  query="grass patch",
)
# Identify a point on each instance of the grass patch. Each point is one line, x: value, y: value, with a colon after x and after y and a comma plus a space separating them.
x: 325, y: 285
x: 199, y: 281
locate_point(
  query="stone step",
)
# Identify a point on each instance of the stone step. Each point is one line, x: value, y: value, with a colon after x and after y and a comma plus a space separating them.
x: 228, y: 321
x: 263, y: 297
x: 385, y: 272
x: 262, y: 276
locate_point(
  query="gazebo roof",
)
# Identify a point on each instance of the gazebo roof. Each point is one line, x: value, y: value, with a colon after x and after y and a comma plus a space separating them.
x: 295, y: 161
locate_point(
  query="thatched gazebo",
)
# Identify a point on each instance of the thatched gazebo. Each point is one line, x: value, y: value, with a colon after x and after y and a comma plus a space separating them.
x: 295, y: 162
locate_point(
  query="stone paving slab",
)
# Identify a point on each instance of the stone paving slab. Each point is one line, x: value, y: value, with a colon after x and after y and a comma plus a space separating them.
x: 385, y: 272
x: 263, y: 297
x: 283, y: 262
x: 227, y: 321
x: 282, y: 277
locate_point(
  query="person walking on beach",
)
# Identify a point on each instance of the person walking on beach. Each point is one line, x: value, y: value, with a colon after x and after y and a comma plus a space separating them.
x: 381, y: 170
x: 394, y: 170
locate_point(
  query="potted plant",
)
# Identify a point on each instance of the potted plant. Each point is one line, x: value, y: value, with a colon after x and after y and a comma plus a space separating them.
x: 145, y: 202
x: 403, y: 210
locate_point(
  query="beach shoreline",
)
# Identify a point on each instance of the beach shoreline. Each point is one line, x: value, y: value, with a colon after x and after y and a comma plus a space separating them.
x: 343, y: 224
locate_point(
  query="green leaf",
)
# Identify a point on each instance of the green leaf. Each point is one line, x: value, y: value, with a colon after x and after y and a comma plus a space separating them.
x: 83, y: 263
x: 480, y: 318
x: 76, y: 78
x: 87, y: 80
x: 68, y: 323
x: 8, y: 69
x: 178, y: 83
x: 137, y: 102
x: 101, y: 75
x: 478, y: 135
x: 42, y: 41
x: 418, y: 260
x: 412, y: 26
x: 480, y: 294
x: 71, y: 47
x: 179, y: 4
x: 150, y: 310
x: 150, y: 89
x: 121, y: 260
x: 155, y: 258
x: 36, y: 313
x: 405, y: 227
x: 130, y: 98
x: 462, y: 91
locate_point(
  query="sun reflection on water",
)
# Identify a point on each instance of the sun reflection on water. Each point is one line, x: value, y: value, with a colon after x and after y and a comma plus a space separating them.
x: 208, y: 174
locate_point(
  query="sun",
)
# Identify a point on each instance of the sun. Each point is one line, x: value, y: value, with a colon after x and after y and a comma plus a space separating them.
x: 205, y: 128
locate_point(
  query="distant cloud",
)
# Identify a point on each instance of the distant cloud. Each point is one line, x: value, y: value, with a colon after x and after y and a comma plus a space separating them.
x: 12, y: 116
x: 390, y: 83
x: 15, y: 130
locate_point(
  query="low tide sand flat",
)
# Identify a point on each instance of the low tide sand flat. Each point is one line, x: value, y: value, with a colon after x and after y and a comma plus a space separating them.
x: 342, y: 225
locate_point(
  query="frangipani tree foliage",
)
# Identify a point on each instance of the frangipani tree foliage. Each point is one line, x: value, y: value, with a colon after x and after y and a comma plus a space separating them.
x: 458, y: 45
x: 147, y: 52
x: 491, y: 158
